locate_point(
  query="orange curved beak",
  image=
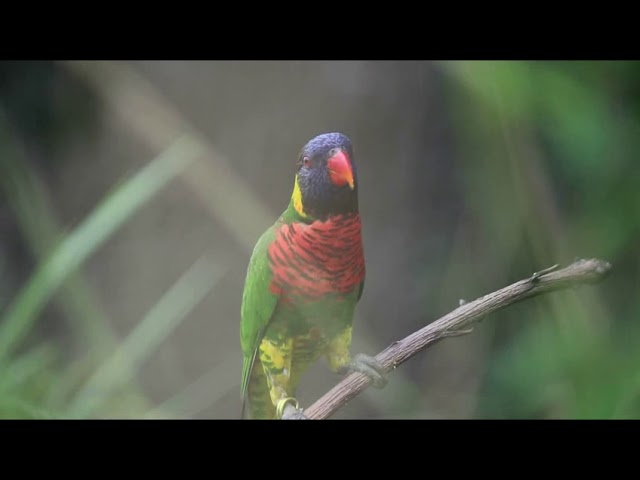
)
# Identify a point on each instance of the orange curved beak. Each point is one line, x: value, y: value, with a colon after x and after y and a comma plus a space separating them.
x: 340, y: 171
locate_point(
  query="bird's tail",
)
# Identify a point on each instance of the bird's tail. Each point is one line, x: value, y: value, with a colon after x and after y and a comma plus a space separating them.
x: 256, y: 399
x: 247, y: 368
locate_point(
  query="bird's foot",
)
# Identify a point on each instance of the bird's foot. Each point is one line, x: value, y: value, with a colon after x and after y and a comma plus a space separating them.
x: 369, y: 366
x: 289, y: 409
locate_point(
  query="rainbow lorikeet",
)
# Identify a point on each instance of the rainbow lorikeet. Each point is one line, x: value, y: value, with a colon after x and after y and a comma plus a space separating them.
x: 305, y: 276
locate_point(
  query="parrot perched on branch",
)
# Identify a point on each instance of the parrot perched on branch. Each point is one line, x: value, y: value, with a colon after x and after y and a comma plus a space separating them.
x: 304, y: 279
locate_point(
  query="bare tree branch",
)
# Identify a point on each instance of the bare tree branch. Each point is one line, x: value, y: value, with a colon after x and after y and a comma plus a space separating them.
x: 547, y: 280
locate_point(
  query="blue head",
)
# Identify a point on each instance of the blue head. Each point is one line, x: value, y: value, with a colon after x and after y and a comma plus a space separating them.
x: 326, y: 177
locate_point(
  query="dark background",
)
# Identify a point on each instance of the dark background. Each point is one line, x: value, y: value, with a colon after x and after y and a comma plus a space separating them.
x: 131, y: 195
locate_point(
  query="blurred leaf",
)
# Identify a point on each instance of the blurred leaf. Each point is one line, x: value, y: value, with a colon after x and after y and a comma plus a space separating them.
x: 12, y: 408
x: 509, y: 85
x: 37, y: 222
x: 103, y: 222
x: 574, y: 115
x: 25, y: 367
x: 197, y: 396
x: 155, y: 327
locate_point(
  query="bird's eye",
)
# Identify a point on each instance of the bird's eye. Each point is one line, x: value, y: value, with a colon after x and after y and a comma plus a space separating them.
x: 306, y: 161
x: 333, y: 152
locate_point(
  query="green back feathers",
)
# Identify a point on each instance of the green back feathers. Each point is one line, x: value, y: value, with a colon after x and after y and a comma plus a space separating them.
x: 258, y: 304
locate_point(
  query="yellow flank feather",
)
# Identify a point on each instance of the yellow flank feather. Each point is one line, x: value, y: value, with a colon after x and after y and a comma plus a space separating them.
x: 297, y: 199
x: 338, y: 354
x: 276, y: 360
x: 282, y: 361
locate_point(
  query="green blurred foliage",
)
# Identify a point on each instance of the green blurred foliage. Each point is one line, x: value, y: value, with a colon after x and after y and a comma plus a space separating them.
x: 559, y: 140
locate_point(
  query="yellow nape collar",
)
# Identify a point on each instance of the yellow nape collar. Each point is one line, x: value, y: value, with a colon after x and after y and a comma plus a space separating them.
x: 296, y: 196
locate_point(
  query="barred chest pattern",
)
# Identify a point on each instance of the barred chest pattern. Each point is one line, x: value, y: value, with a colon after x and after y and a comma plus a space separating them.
x: 314, y: 261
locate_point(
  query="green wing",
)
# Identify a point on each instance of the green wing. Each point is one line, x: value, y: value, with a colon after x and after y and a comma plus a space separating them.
x: 258, y: 305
